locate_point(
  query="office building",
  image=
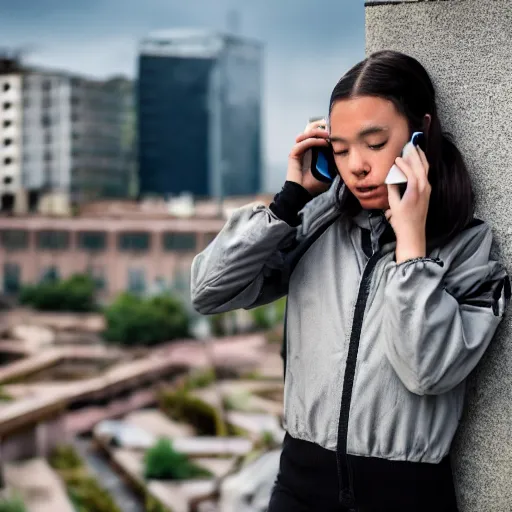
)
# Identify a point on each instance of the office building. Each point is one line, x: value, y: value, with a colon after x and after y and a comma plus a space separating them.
x: 67, y: 141
x: 11, y: 106
x: 199, y: 114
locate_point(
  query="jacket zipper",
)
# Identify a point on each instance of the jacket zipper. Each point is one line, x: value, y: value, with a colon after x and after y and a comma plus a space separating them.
x: 346, y: 497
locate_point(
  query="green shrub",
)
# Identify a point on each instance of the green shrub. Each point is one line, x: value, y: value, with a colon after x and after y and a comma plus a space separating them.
x: 280, y: 308
x: 4, y: 396
x: 261, y: 318
x: 199, y: 379
x: 164, y: 463
x: 65, y: 457
x: 89, y: 496
x: 181, y: 406
x: 14, y: 504
x: 76, y: 294
x: 270, y: 315
x: 132, y: 320
x: 152, y: 505
x: 84, y: 490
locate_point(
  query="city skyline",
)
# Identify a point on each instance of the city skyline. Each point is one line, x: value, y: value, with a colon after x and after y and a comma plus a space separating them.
x: 101, y: 39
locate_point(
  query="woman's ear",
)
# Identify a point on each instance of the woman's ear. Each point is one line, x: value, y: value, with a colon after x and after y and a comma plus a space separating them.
x: 427, y: 119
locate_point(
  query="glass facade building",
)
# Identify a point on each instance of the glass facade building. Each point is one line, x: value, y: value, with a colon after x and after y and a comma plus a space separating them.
x: 199, y: 114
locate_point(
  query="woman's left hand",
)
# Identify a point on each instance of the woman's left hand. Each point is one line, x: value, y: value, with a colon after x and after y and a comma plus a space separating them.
x: 408, y: 214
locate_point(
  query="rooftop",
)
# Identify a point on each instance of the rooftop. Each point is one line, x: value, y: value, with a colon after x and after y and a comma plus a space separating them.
x: 190, y: 43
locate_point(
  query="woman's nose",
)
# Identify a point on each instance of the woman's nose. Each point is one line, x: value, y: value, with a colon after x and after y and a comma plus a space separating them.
x: 357, y: 165
x: 361, y: 173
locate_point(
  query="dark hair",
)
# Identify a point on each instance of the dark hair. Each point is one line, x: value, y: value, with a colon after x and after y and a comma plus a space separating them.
x: 405, y: 82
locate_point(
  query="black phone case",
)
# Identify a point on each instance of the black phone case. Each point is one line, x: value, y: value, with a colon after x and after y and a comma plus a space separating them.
x: 332, y: 169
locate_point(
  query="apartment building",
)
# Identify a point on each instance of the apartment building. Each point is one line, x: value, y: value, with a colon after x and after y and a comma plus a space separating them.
x: 142, y: 255
x: 63, y: 138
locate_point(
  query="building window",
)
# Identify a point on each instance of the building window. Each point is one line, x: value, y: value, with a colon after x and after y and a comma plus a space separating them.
x: 12, y: 278
x: 14, y: 239
x: 47, y: 156
x: 47, y: 138
x: 133, y: 241
x: 7, y: 123
x: 49, y: 274
x: 7, y: 142
x: 52, y: 240
x: 180, y: 242
x: 45, y: 120
x: 7, y: 161
x: 181, y: 282
x: 47, y: 102
x: 97, y: 274
x: 47, y: 85
x: 7, y: 105
x: 92, y: 241
x: 6, y: 87
x: 7, y: 180
x: 136, y: 280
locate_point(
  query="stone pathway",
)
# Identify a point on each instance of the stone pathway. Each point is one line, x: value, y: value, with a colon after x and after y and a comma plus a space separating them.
x: 158, y: 424
x: 38, y: 485
x: 257, y: 424
x: 99, y: 466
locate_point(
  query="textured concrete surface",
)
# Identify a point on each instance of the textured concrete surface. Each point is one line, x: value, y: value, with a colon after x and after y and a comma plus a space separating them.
x: 38, y: 485
x: 467, y: 46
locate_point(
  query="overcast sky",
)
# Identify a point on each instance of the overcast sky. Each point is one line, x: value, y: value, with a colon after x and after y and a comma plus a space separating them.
x: 309, y: 44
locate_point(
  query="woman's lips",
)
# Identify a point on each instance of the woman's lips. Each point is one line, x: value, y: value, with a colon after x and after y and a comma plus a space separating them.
x: 368, y: 191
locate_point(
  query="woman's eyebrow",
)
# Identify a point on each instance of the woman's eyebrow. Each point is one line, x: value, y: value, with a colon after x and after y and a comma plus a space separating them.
x: 371, y: 130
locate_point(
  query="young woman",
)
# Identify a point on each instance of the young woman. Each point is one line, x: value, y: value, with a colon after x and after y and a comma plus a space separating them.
x: 392, y: 298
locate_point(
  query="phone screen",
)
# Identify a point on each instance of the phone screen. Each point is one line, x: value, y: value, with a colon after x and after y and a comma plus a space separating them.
x: 322, y: 165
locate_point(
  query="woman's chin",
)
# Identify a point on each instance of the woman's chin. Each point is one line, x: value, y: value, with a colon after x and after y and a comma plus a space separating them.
x: 376, y: 203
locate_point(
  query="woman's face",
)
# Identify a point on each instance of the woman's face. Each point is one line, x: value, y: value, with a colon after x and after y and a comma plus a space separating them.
x: 367, y: 134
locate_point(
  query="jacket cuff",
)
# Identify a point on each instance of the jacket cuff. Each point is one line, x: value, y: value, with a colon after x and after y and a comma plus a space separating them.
x: 289, y: 202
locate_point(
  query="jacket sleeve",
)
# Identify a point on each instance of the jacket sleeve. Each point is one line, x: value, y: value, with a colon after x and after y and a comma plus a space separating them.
x: 440, y: 314
x: 244, y: 266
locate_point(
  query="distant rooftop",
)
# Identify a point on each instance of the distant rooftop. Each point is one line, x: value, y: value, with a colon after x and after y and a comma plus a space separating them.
x: 384, y: 2
x: 15, y: 64
x: 190, y: 42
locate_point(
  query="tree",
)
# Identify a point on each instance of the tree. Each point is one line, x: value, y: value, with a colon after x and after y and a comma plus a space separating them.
x: 270, y: 315
x: 76, y: 294
x: 163, y: 462
x: 14, y: 504
x: 133, y: 320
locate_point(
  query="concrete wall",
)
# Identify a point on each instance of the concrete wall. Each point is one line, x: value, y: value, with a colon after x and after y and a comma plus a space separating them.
x: 466, y: 45
x: 19, y: 445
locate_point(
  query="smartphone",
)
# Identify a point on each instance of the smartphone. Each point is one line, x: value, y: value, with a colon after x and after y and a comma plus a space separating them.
x: 320, y: 161
x: 323, y: 166
x: 395, y: 175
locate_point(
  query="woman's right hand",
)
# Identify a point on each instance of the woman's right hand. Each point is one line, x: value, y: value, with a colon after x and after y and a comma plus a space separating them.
x: 315, y: 135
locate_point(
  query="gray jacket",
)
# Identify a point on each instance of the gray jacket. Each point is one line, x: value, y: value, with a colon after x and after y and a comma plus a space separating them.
x: 377, y: 353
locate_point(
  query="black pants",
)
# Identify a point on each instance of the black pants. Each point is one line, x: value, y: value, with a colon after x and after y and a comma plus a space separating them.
x: 308, y: 482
